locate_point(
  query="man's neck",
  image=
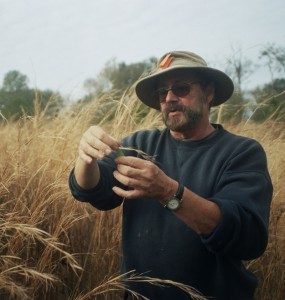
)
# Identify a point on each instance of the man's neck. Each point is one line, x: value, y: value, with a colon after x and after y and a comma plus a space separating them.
x: 194, y: 134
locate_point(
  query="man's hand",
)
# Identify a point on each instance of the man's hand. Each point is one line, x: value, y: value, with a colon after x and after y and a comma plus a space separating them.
x: 143, y: 178
x: 95, y: 144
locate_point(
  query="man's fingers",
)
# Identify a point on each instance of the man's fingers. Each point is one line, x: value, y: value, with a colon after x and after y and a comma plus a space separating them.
x: 128, y: 171
x: 131, y: 194
x: 90, y: 151
x: 97, y: 144
x: 131, y: 161
x: 100, y: 134
x: 127, y: 181
x: 136, y: 167
x: 85, y: 157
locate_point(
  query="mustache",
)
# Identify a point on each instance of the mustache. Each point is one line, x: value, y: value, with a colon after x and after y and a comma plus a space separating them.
x: 173, y: 106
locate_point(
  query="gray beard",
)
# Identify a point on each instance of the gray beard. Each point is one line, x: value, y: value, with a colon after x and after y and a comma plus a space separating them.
x: 188, y: 121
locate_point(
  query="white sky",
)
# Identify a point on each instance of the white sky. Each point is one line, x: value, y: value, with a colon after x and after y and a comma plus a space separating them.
x: 60, y: 43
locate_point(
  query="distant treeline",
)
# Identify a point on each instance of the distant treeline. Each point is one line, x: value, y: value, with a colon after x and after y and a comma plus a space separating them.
x: 258, y: 104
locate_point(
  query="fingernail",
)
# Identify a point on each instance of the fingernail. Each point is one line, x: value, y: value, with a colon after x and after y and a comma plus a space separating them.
x: 108, y: 151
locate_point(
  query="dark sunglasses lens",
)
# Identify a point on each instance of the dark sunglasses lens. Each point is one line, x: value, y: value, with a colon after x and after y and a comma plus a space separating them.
x: 178, y: 89
x: 181, y: 89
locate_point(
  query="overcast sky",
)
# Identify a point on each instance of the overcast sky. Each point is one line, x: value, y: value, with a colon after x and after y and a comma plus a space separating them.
x: 60, y: 43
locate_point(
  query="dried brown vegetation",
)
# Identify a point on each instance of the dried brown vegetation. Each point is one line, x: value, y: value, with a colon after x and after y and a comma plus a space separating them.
x: 52, y: 247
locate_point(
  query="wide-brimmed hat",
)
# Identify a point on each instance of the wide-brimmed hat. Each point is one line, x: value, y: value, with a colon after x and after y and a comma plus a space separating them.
x: 188, y: 62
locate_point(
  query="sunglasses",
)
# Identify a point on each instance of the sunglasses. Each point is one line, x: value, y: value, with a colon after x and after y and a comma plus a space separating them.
x: 179, y: 89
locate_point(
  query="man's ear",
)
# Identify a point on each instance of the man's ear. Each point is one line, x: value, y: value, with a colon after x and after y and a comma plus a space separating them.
x: 210, y: 93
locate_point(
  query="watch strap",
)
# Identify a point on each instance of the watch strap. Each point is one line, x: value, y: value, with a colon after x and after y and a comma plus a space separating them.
x: 179, y: 192
x: 178, y: 196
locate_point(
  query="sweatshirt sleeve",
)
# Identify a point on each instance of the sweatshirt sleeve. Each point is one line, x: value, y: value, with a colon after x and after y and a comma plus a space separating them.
x: 101, y: 196
x: 243, y: 195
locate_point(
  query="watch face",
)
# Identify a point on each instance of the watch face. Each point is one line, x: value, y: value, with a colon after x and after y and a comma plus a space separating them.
x: 173, y: 204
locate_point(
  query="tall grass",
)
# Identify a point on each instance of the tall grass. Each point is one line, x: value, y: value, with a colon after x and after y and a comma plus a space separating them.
x: 52, y: 247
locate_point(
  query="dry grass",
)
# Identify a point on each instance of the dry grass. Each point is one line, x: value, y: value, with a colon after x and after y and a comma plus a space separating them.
x: 52, y: 247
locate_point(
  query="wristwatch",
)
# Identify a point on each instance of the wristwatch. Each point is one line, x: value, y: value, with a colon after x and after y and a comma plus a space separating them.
x: 175, y: 201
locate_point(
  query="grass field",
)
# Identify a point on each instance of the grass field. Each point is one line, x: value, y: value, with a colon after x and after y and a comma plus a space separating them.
x: 52, y: 247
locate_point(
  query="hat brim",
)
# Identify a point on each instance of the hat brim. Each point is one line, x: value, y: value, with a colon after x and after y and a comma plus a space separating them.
x: 224, y: 86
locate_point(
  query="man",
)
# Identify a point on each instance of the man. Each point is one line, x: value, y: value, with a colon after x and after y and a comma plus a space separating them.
x: 202, y: 207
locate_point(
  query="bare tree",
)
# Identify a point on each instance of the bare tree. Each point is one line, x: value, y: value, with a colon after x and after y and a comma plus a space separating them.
x: 239, y: 67
x: 274, y: 59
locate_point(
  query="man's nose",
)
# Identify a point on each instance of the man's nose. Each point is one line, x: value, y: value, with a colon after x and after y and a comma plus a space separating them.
x: 170, y: 96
